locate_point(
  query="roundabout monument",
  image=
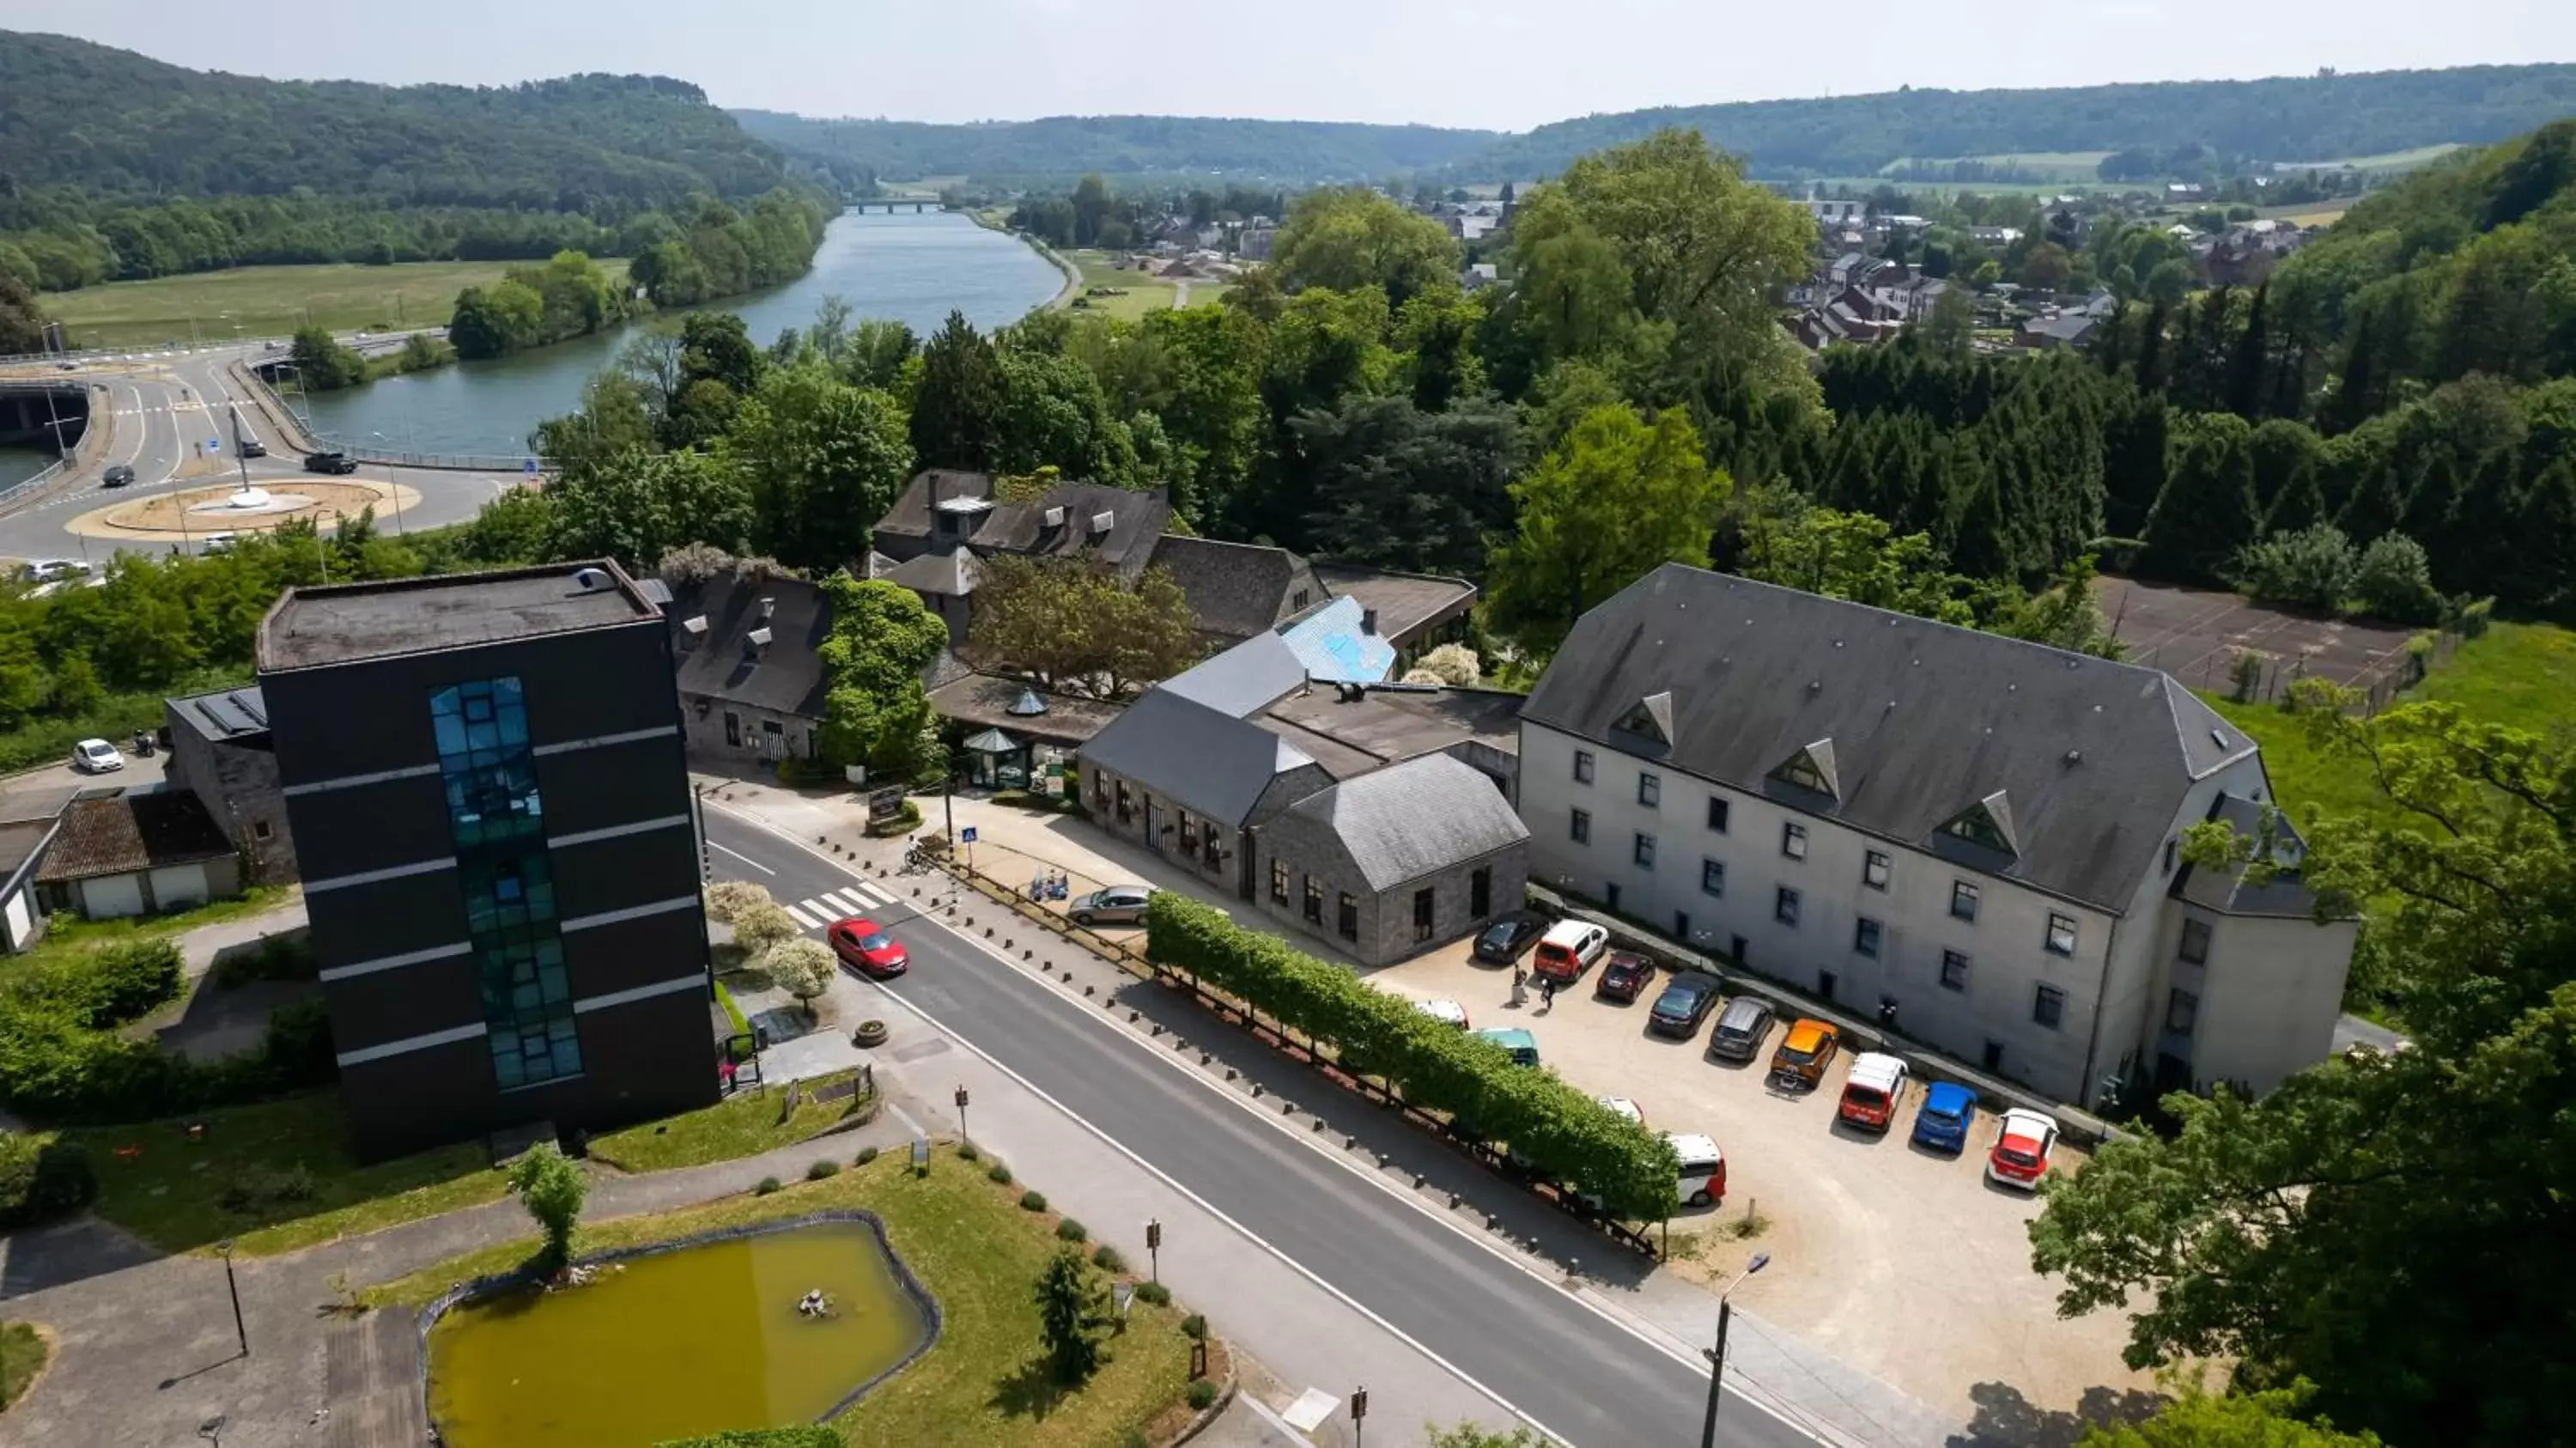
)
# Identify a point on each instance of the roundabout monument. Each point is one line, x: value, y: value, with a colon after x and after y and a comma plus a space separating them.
x: 183, y: 513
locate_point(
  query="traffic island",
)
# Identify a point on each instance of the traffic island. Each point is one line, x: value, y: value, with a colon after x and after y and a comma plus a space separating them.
x: 228, y: 508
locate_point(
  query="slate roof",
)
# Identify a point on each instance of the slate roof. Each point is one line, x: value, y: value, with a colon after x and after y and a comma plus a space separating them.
x: 1239, y: 681
x: 907, y: 527
x: 133, y: 832
x: 2093, y: 757
x: 1212, y: 764
x: 986, y: 699
x: 786, y: 676
x: 1139, y: 519
x: 1388, y: 724
x: 1406, y: 603
x: 1414, y: 819
x: 952, y: 574
x: 2228, y: 892
x: 1237, y: 589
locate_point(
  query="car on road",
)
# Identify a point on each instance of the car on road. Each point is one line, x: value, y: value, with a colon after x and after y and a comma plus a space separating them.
x: 1799, y: 1064
x: 1624, y: 1107
x: 1683, y: 1005
x: 1446, y: 1012
x: 1741, y: 1029
x: 1703, y: 1181
x: 338, y: 464
x: 221, y: 542
x: 1502, y: 942
x: 56, y: 570
x: 1624, y: 976
x: 864, y: 946
x: 118, y: 475
x: 1871, y: 1091
x: 1948, y: 1111
x: 1522, y: 1046
x: 251, y: 447
x: 67, y: 366
x: 2020, y: 1155
x: 96, y: 756
x: 1568, y: 950
x: 1112, y: 905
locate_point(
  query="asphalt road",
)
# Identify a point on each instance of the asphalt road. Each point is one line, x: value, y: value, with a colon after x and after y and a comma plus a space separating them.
x: 1579, y: 1374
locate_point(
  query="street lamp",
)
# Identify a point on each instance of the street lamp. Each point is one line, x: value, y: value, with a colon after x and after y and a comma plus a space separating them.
x: 1717, y: 1355
x: 393, y: 476
x: 234, y: 1287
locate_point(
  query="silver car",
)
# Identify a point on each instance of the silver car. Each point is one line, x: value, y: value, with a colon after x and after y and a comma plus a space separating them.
x: 1115, y: 905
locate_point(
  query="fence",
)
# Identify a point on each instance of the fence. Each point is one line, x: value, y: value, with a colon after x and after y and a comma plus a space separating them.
x: 2271, y: 676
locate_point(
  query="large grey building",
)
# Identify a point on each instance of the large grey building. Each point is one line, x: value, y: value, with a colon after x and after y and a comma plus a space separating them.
x: 485, y: 783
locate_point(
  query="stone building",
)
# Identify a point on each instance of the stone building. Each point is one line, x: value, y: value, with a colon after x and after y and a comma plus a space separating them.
x: 221, y: 751
x: 750, y: 669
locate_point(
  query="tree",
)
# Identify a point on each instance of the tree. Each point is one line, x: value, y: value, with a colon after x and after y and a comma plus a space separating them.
x: 2046, y: 267
x: 1069, y: 623
x: 1392, y: 486
x: 875, y: 711
x: 729, y: 898
x: 553, y: 1190
x: 2206, y: 510
x: 1453, y: 664
x: 22, y: 321
x: 639, y: 506
x: 1847, y: 555
x: 1345, y: 238
x: 801, y: 967
x: 322, y: 364
x: 1053, y: 414
x: 2394, y: 581
x: 1605, y: 507
x: 2311, y: 568
x: 2197, y: 1419
x: 491, y: 321
x: 957, y: 406
x: 1070, y: 1317
x: 824, y: 460
x: 760, y: 926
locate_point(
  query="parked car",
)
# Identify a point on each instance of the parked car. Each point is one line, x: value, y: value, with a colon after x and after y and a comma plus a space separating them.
x: 252, y: 447
x: 1870, y: 1093
x: 1799, y: 1064
x: 1568, y: 949
x: 96, y: 756
x: 1703, y: 1169
x: 1521, y: 1044
x: 338, y: 464
x: 1624, y: 1107
x: 864, y: 947
x: 1741, y: 1029
x: 2020, y: 1155
x: 1948, y: 1110
x: 1683, y: 1005
x: 118, y: 475
x: 1113, y: 905
x: 1502, y: 942
x: 1447, y: 1011
x: 1624, y: 976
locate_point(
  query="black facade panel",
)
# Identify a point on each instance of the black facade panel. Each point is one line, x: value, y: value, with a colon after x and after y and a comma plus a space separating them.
x: 370, y: 827
x: 626, y: 872
x: 399, y: 1004
x: 647, y: 951
x: 614, y: 784
x: 386, y: 917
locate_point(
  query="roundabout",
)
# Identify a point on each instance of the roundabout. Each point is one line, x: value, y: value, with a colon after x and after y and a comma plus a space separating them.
x: 182, y: 513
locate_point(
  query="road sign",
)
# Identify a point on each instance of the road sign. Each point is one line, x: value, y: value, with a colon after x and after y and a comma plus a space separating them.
x: 529, y: 467
x: 214, y: 444
x: 966, y: 835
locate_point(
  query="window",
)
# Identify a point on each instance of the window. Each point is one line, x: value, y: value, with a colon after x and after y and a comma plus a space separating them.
x: 1802, y: 772
x: 1954, y: 970
x: 1579, y: 828
x: 1422, y: 912
x: 1349, y: 923
x: 733, y: 728
x: 496, y: 821
x: 2061, y: 934
x: 1278, y: 882
x: 2195, y: 942
x: 1793, y: 840
x: 1865, y: 933
x: 2169, y: 856
x: 1874, y: 869
x: 1297, y: 601
x: 1681, y: 925
x: 1314, y: 901
x: 259, y: 829
x: 1784, y: 906
x: 1189, y: 835
x: 1099, y: 789
x: 2048, y: 1006
x: 1126, y: 804
x: 1480, y: 892
x: 1644, y: 851
x: 1717, y: 812
x: 1610, y: 895
x: 2182, y: 1010
x: 1963, y: 900
x: 485, y: 759
x: 1583, y: 766
x: 1650, y: 789
x: 1712, y: 877
x: 1212, y: 846
x: 772, y: 729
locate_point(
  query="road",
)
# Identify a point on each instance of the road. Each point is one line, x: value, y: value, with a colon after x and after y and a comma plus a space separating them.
x: 1576, y: 1372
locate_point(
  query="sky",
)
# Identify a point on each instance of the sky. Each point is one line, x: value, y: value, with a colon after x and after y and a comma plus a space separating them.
x: 1498, y: 64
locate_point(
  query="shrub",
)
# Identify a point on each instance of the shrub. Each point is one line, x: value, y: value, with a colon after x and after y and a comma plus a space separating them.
x: 758, y: 927
x: 729, y: 898
x: 1453, y: 664
x: 966, y: 1152
x: 553, y: 1190
x: 2394, y: 581
x: 1070, y: 1230
x: 768, y: 1185
x: 1194, y: 1326
x: 867, y: 1154
x: 803, y: 968
x: 1154, y: 1294
x: 2312, y: 568
x: 1033, y: 1201
x: 1107, y: 1258
x: 999, y: 1173
x: 823, y: 1170
x: 1202, y: 1394
x: 42, y: 1177
x: 288, y: 955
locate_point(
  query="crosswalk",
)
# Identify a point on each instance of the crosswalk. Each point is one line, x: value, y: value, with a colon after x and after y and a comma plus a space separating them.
x: 821, y: 910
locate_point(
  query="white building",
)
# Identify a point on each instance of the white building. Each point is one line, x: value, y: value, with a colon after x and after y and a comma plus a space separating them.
x: 1969, y: 839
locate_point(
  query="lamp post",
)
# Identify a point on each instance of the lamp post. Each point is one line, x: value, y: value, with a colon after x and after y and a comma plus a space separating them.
x: 1717, y: 1355
x: 233, y: 1286
x: 393, y: 476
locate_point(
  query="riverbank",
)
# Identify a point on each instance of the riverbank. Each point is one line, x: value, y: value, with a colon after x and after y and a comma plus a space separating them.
x: 995, y: 219
x: 273, y: 301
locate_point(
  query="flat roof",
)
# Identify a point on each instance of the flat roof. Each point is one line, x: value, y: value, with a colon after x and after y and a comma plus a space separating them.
x: 349, y: 623
x: 1390, y: 723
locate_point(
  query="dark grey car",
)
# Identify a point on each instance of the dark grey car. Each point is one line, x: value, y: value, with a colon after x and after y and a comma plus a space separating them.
x: 1115, y: 905
x: 1740, y: 1030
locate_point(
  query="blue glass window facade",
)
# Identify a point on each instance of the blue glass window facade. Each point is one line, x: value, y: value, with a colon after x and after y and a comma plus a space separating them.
x: 497, y: 821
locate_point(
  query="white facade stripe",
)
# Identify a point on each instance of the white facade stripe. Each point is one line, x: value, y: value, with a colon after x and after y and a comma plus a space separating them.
x: 353, y: 781
x: 640, y: 993
x: 611, y: 832
x: 408, y: 1044
x: 631, y: 912
x: 601, y: 741
x: 372, y: 877
x: 396, y: 962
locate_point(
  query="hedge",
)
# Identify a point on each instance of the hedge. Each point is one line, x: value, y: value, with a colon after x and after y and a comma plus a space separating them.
x: 54, y: 1068
x: 106, y: 987
x: 41, y: 1178
x: 1554, y: 1127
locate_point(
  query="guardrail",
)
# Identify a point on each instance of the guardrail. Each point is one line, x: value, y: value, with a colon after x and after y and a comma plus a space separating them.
x: 23, y: 486
x: 283, y: 416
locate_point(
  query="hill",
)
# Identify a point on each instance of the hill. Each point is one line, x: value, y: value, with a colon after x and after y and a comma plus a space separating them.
x: 1243, y: 150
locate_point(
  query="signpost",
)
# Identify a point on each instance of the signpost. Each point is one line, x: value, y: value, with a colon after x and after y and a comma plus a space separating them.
x: 1154, y: 1250
x: 961, y: 1113
x: 966, y: 837
x: 884, y: 804
x: 1359, y: 1412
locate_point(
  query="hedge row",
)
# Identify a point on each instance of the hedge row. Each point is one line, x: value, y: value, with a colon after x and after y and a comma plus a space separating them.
x: 41, y: 1178
x: 104, y: 987
x: 56, y: 1069
x: 1557, y: 1129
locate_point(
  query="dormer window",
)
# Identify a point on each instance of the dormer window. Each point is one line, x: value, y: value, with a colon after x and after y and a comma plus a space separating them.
x: 1812, y: 769
x: 1651, y: 718
x: 1986, y: 824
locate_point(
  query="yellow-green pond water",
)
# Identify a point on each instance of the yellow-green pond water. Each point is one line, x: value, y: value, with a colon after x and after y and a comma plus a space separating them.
x: 693, y: 1341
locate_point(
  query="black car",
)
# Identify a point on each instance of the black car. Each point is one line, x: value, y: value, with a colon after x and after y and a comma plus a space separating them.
x: 1507, y: 939
x: 252, y: 447
x: 330, y: 462
x: 1683, y: 1005
x: 117, y: 475
x: 1624, y: 976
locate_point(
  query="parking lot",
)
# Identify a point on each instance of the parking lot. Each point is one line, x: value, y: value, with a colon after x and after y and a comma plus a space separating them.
x: 1902, y: 1262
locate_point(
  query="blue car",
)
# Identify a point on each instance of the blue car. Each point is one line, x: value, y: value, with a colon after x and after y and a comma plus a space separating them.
x: 1949, y: 1109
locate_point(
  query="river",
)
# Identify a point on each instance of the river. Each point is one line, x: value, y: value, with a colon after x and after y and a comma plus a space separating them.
x: 17, y: 464
x: 912, y: 268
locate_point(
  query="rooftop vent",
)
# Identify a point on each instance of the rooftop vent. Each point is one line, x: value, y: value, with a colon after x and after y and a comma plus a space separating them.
x: 2217, y: 738
x: 1102, y: 522
x: 592, y: 580
x: 696, y: 626
x: 1055, y: 517
x: 768, y: 607
x: 758, y: 638
x: 1368, y: 621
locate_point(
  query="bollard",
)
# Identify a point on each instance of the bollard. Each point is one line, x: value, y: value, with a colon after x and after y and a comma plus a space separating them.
x: 1158, y: 1030
x: 1091, y: 990
x: 1256, y: 1086
x: 1456, y: 1201
x: 1032, y: 955
x: 1287, y: 1108
x: 822, y: 839
x: 1068, y: 977
x: 1420, y: 1181
x: 1319, y: 1126
x: 1132, y: 1017
x: 1350, y: 1143
x: 1229, y: 1075
x: 1205, y: 1058
x: 988, y: 932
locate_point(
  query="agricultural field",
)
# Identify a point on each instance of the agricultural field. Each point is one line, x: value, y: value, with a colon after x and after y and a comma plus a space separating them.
x: 272, y: 301
x: 2385, y: 161
x: 2054, y: 166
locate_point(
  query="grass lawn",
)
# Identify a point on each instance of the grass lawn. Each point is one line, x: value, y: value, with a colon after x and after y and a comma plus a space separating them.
x: 2384, y: 161
x: 743, y: 1125
x: 1143, y: 293
x: 22, y: 1356
x: 290, y: 1161
x: 983, y: 1383
x: 271, y: 301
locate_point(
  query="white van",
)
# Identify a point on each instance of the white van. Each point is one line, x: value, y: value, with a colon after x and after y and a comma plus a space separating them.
x: 1703, y: 1169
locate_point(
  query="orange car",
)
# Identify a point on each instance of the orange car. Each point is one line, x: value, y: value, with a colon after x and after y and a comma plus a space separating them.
x: 1804, y: 1053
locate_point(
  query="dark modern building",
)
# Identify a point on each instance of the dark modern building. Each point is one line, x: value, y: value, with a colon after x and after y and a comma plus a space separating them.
x: 485, y: 783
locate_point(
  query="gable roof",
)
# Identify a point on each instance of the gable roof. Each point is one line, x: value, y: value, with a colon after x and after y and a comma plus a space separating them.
x: 236, y: 716
x: 1239, y: 681
x: 1212, y: 764
x: 786, y: 675
x: 909, y: 523
x: 1926, y: 719
x: 1137, y: 521
x: 1413, y: 819
x: 131, y: 832
x: 1236, y: 589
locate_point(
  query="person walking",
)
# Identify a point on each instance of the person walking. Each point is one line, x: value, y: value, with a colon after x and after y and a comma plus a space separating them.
x: 1546, y: 995
x: 1520, y: 992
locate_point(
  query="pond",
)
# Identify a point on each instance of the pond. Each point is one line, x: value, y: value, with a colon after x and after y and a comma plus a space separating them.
x: 695, y: 1340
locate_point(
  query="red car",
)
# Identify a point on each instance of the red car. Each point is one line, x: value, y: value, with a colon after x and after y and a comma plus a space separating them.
x: 1624, y: 976
x: 864, y: 946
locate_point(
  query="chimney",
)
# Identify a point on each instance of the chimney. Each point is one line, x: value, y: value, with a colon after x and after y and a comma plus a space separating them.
x: 768, y: 607
x: 1368, y: 621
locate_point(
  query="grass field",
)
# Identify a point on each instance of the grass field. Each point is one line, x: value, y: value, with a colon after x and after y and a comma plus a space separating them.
x: 272, y: 301
x: 22, y: 1356
x: 984, y: 1382
x: 1142, y: 293
x: 743, y: 1125
x: 2385, y: 161
x: 2055, y: 166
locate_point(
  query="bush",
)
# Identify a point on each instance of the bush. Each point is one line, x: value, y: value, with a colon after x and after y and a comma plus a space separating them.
x: 729, y: 898
x: 902, y: 822
x: 41, y: 1178
x: 867, y: 1154
x: 999, y: 1173
x: 1154, y: 1294
x: 288, y: 955
x: 758, y: 927
x: 769, y: 1185
x: 106, y: 987
x: 1202, y: 1394
x: 1070, y: 1230
x: 966, y: 1152
x: 2394, y: 581
x: 1107, y: 1258
x: 801, y: 1435
x: 1195, y: 1325
x: 2311, y: 569
x: 823, y: 1170
x: 1033, y: 1201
